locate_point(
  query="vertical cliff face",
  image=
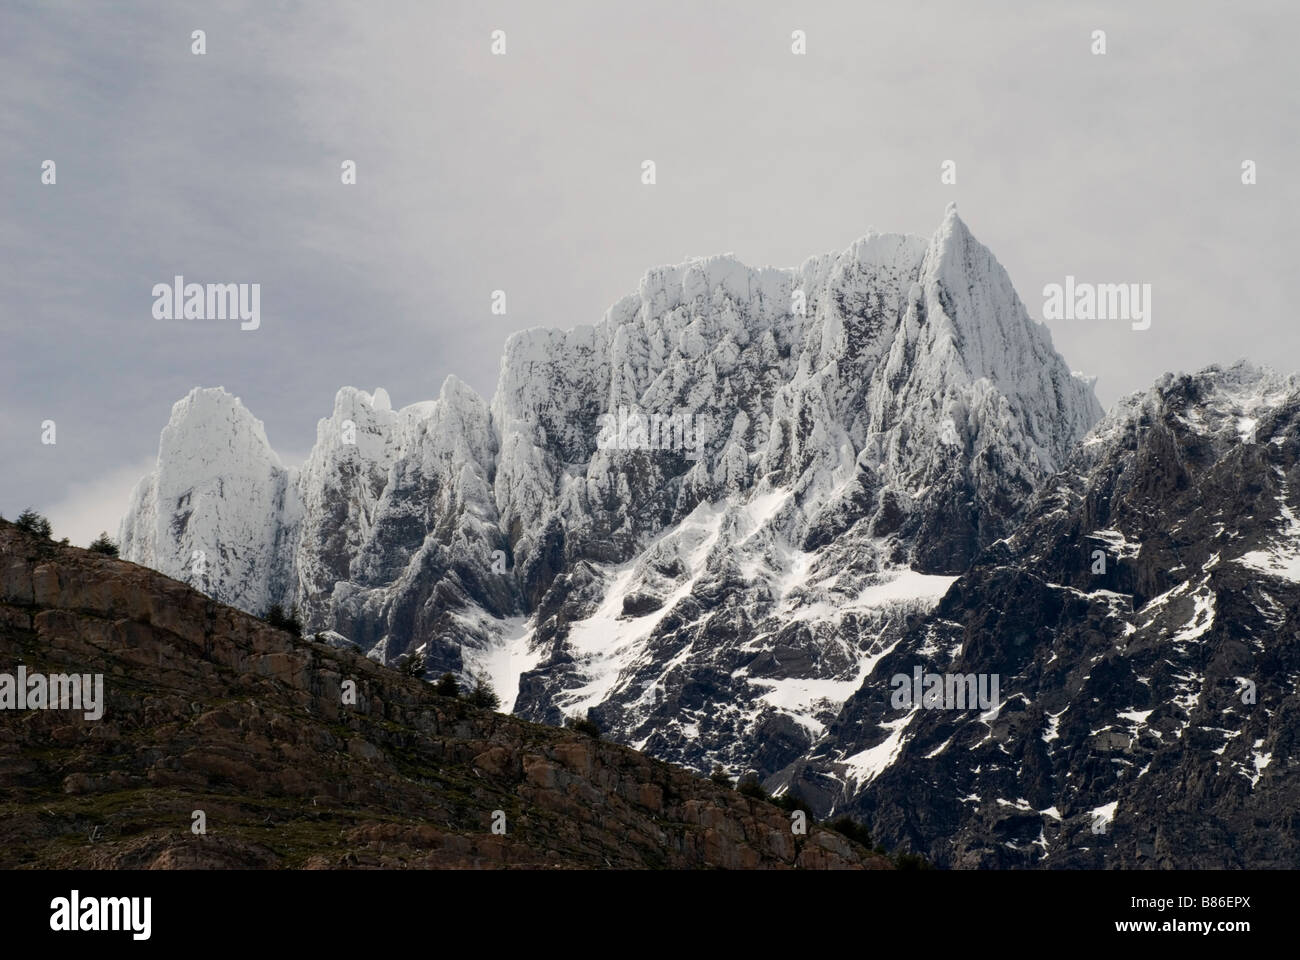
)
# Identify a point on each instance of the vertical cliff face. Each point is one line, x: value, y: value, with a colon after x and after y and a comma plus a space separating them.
x: 399, y: 525
x: 702, y: 517
x: 220, y: 511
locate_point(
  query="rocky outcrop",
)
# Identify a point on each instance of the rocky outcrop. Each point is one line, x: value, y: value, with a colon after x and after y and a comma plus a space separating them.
x: 304, y: 754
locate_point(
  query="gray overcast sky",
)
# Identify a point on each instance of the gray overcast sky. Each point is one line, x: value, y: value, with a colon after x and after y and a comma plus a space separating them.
x: 522, y: 172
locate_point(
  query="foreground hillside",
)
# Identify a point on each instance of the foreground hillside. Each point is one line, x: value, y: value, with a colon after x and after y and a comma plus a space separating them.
x: 209, y: 709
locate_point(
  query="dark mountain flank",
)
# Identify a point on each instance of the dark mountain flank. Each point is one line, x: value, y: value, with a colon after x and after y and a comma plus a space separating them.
x: 1143, y: 624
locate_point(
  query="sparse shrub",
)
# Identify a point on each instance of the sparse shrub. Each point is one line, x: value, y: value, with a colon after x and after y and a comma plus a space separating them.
x: 853, y: 830
x: 750, y: 787
x: 719, y: 776
x: 446, y: 686
x: 412, y: 665
x: 29, y: 521
x: 482, y: 694
x: 584, y: 725
x: 791, y: 801
x: 911, y: 861
x: 103, y: 544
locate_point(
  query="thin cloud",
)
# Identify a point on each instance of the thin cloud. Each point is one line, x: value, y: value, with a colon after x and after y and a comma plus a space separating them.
x: 95, y: 506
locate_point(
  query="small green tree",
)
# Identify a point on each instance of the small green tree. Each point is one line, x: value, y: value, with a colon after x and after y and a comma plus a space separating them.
x: 719, y: 776
x: 482, y: 694
x: 30, y: 521
x: 447, y: 686
x: 290, y: 621
x: 412, y: 665
x: 103, y: 544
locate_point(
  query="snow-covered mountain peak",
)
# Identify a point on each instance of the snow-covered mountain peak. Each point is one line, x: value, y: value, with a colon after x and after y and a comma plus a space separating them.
x: 1224, y: 404
x: 208, y: 413
x: 202, y: 515
x: 732, y: 463
x: 1243, y: 389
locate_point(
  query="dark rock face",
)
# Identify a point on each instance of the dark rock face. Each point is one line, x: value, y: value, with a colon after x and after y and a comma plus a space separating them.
x: 1143, y: 624
x: 208, y: 709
